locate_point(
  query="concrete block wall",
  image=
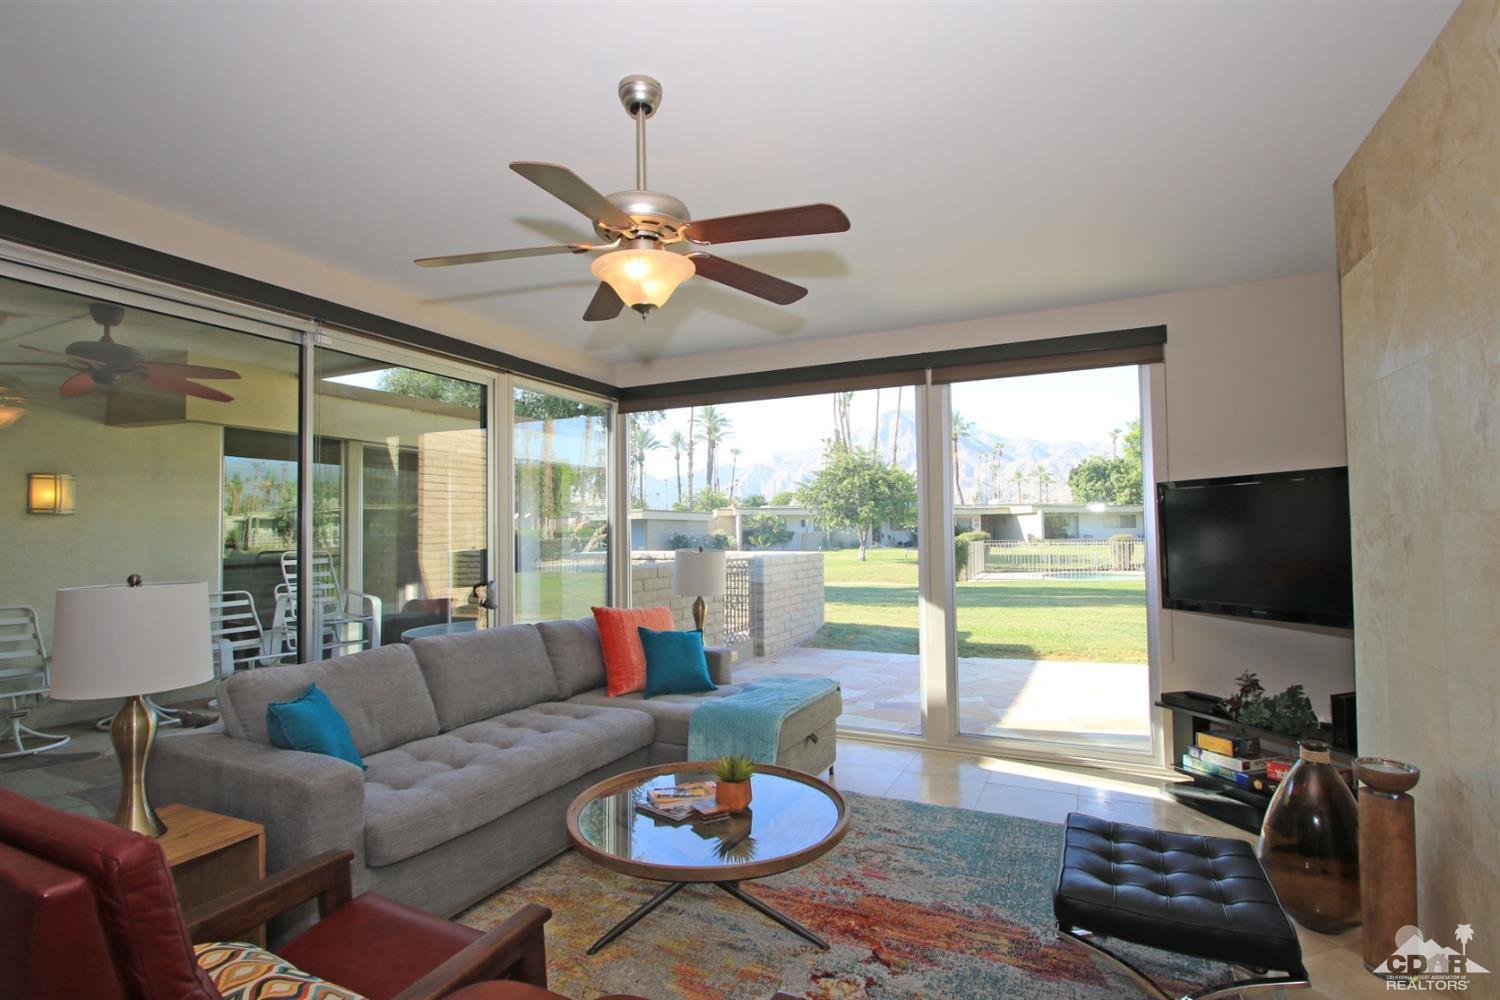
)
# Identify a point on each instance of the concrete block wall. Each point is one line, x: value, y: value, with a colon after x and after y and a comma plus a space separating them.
x: 786, y: 600
x: 651, y: 586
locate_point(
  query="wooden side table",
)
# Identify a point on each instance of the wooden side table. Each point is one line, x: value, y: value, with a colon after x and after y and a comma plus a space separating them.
x: 211, y: 855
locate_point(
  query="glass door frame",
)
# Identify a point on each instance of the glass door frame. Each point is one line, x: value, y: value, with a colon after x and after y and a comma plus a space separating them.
x: 939, y: 692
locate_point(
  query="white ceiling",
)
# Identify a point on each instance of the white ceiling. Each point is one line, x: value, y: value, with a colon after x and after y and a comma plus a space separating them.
x: 993, y: 158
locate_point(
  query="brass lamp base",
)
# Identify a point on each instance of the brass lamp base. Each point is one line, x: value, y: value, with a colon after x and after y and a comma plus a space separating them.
x: 700, y: 613
x: 131, y: 733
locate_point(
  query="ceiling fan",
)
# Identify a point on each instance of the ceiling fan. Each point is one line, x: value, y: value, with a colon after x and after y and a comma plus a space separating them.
x: 103, y: 363
x: 636, y: 268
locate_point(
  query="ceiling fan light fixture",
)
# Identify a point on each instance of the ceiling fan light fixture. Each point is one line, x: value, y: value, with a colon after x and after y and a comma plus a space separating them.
x: 644, y: 279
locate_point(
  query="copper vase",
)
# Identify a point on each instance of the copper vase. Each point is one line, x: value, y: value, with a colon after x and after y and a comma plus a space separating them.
x: 1309, y: 843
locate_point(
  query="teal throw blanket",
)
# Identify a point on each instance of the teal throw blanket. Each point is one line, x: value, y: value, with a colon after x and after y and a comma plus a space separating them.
x: 749, y: 722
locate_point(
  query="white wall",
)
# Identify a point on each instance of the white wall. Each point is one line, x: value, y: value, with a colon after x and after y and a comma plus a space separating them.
x: 1254, y: 383
x: 35, y: 189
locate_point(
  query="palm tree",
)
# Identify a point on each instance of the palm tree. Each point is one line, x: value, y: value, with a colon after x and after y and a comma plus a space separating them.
x: 896, y: 426
x: 642, y: 440
x: 1019, y: 477
x: 678, y: 442
x: 692, y: 442
x: 715, y: 430
x: 997, y: 453
x: 1114, y: 437
x: 875, y: 435
x: 1464, y: 934
x: 1043, y: 478
x: 734, y: 473
x: 963, y: 428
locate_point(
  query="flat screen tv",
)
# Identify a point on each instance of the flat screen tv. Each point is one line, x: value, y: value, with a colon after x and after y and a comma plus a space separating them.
x: 1272, y: 546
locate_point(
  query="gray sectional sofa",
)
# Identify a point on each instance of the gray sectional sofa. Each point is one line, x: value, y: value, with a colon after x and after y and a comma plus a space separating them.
x: 474, y: 743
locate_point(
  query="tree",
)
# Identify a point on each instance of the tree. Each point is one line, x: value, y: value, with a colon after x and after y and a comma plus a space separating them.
x: 677, y: 442
x: 734, y: 471
x: 963, y: 428
x: 1114, y: 439
x: 786, y: 498
x: 1019, y: 477
x: 753, y: 500
x: 857, y: 491
x: 896, y: 425
x: 692, y: 441
x: 1464, y: 934
x: 875, y: 434
x: 1120, y: 480
x: 997, y: 455
x: 642, y: 440
x: 425, y: 385
x: 1043, y: 479
x: 715, y: 429
x: 764, y: 531
x: 843, y: 436
x: 710, y: 499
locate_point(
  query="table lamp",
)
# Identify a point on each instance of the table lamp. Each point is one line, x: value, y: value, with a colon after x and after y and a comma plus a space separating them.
x: 126, y: 642
x: 698, y: 574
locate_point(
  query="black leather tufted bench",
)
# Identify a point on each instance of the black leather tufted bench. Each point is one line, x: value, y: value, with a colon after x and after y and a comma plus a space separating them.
x: 1203, y: 896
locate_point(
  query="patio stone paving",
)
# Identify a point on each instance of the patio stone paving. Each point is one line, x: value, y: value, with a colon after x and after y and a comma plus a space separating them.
x: 1102, y: 704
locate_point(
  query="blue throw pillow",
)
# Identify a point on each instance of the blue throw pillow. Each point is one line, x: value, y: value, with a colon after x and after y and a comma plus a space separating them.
x: 675, y: 663
x: 311, y: 723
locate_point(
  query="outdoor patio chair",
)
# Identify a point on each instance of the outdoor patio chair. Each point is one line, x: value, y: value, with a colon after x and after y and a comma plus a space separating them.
x: 25, y: 676
x: 239, y: 641
x: 347, y: 620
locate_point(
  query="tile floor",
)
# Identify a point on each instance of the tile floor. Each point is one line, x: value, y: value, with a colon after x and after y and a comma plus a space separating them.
x: 83, y: 777
x: 1103, y: 704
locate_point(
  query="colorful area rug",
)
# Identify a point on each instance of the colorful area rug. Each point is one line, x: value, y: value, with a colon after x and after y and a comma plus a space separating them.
x: 918, y: 901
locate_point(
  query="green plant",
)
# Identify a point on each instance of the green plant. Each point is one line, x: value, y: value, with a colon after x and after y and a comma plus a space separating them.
x: 1289, y: 713
x: 718, y: 540
x: 961, y: 551
x: 734, y: 768
x: 681, y: 541
x: 765, y: 531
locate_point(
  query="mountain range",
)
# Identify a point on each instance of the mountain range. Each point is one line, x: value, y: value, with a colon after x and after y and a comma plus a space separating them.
x: 981, y: 478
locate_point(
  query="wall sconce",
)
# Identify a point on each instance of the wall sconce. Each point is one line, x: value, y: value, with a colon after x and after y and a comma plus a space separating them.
x: 49, y: 493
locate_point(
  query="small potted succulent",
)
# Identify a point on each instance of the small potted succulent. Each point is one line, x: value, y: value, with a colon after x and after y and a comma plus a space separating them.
x: 732, y: 781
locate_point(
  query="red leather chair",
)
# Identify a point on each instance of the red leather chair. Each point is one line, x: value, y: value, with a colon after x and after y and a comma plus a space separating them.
x: 88, y: 910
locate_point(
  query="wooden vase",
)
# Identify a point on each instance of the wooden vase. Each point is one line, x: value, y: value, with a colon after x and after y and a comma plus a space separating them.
x: 733, y: 795
x: 1387, y: 853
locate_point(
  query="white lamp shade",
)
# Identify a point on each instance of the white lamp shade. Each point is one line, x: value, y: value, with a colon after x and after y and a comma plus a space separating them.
x: 118, y: 641
x: 698, y: 574
x: 643, y: 277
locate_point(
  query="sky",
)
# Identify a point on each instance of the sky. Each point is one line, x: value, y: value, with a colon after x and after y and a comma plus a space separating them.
x: 1066, y: 406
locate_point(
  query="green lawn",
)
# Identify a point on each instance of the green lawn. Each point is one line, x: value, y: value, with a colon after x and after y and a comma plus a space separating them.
x: 873, y: 606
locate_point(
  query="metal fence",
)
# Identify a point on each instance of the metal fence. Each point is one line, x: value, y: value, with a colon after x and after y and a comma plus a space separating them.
x: 1056, y: 557
x: 736, y: 601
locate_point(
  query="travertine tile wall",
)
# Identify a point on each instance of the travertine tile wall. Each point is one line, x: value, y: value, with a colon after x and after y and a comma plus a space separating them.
x: 1418, y: 219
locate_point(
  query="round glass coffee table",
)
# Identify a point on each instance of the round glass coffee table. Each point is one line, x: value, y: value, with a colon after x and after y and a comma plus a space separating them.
x: 793, y: 818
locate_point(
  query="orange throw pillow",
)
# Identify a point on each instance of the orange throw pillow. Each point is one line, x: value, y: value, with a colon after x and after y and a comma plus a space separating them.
x: 624, y: 659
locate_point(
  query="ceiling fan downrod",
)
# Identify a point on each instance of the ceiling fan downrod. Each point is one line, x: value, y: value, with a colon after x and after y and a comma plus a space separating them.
x: 641, y: 96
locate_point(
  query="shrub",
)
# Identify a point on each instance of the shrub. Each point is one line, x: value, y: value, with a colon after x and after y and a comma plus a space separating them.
x: 681, y: 541
x: 961, y: 551
x: 765, y: 531
x: 717, y: 541
x: 1122, y: 551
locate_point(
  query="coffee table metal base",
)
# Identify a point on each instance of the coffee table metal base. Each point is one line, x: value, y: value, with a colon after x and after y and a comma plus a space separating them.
x: 733, y: 888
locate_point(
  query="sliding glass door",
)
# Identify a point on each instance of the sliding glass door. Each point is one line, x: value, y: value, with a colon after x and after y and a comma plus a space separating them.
x: 400, y: 503
x: 1049, y: 609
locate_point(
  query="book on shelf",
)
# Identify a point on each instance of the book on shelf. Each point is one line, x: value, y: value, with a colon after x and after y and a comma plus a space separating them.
x: 1229, y: 746
x: 1255, y: 781
x: 1277, y: 767
x: 1255, y: 763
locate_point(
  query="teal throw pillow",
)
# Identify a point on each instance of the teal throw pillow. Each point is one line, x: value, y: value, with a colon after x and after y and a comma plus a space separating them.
x: 675, y: 663
x: 312, y: 724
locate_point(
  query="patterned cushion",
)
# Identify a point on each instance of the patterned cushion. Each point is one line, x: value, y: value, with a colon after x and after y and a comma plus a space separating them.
x: 245, y: 972
x: 624, y: 659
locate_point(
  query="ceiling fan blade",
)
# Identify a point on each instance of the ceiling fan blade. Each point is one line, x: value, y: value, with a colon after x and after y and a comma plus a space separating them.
x: 182, y: 387
x: 746, y: 279
x: 805, y: 220
x: 480, y: 258
x: 185, y: 371
x: 37, y: 364
x: 604, y: 305
x: 563, y: 184
x: 91, y: 362
x: 76, y: 385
